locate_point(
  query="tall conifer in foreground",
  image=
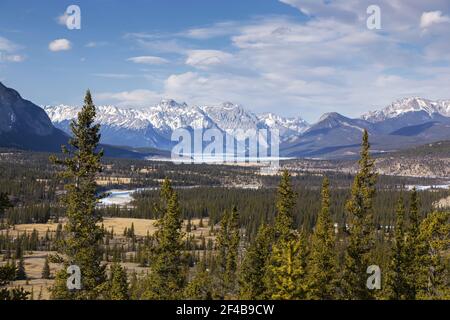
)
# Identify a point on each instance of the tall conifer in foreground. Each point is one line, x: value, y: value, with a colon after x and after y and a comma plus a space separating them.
x: 82, y: 234
x: 361, y: 227
x: 285, y: 205
x: 118, y: 283
x: 228, y: 243
x: 433, y: 277
x: 323, y: 260
x: 287, y: 268
x: 397, y: 286
x: 167, y: 271
x: 413, y: 255
x: 285, y: 271
x: 252, y: 284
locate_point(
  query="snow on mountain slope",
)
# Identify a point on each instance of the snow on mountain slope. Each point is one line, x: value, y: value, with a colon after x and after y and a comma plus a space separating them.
x: 407, y: 105
x: 153, y: 126
x: 287, y: 126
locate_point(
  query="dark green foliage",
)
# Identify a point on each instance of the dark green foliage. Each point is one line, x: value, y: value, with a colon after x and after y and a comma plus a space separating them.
x: 167, y: 272
x: 253, y: 268
x: 46, y: 269
x: 361, y: 228
x: 322, y: 268
x: 82, y: 164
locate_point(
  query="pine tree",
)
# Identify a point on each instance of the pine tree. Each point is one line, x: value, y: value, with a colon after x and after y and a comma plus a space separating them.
x: 285, y: 206
x: 397, y: 285
x: 201, y: 286
x: 361, y: 227
x: 118, y: 285
x: 252, y: 285
x: 228, y: 243
x: 4, y: 204
x: 21, y: 273
x: 322, y: 264
x: 287, y: 268
x: 46, y: 269
x: 413, y: 255
x: 167, y: 276
x: 433, y: 278
x: 81, y: 244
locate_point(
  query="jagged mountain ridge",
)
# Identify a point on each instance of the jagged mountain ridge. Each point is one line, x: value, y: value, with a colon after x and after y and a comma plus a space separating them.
x: 153, y: 126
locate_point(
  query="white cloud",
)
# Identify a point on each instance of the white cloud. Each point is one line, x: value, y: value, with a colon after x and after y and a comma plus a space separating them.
x: 8, y: 51
x: 135, y: 98
x: 432, y: 17
x: 207, y: 58
x: 328, y: 61
x: 148, y: 60
x: 95, y: 44
x: 11, y: 58
x: 60, y: 45
x: 7, y: 45
x: 62, y: 19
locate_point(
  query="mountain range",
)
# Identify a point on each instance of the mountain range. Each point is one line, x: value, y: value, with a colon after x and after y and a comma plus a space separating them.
x: 127, y: 131
x: 404, y: 123
x: 153, y: 126
x: 24, y: 125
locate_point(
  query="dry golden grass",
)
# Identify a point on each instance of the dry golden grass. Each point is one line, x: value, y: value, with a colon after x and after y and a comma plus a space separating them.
x: 141, y: 226
x: 34, y: 261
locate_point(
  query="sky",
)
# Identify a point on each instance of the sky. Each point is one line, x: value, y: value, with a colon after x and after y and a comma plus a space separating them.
x: 291, y: 57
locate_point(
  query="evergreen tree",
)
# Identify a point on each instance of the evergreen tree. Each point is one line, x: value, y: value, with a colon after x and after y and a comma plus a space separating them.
x: 81, y: 245
x: 397, y: 285
x: 433, y: 278
x: 413, y: 255
x: 201, y: 286
x: 252, y: 285
x: 46, y: 269
x: 287, y: 268
x: 322, y: 264
x: 361, y: 227
x: 118, y: 285
x: 21, y: 273
x: 228, y: 245
x: 167, y: 276
x: 4, y: 204
x: 284, y: 205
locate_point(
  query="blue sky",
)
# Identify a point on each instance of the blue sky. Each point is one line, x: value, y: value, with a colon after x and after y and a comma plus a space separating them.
x: 292, y: 57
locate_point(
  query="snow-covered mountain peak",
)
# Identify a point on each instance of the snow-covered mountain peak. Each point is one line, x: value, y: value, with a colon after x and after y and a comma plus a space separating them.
x: 406, y: 105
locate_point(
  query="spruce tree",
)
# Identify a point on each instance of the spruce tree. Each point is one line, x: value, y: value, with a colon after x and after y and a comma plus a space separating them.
x: 287, y: 268
x: 4, y: 204
x: 167, y: 270
x: 413, y: 263
x: 228, y: 244
x: 46, y: 269
x: 433, y: 277
x: 82, y: 234
x: 252, y: 285
x: 118, y: 283
x: 361, y: 228
x: 397, y: 286
x: 322, y: 264
x: 21, y: 273
x: 285, y: 205
x: 201, y: 286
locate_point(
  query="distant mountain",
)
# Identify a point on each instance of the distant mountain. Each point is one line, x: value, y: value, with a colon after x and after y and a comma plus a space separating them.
x: 405, y: 123
x: 288, y: 127
x: 24, y: 125
x: 153, y: 126
x: 422, y: 107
